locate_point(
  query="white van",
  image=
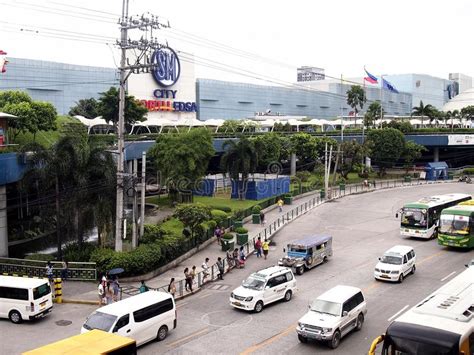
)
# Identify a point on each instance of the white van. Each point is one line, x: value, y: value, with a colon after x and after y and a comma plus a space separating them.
x: 24, y: 298
x: 144, y: 317
x: 395, y: 264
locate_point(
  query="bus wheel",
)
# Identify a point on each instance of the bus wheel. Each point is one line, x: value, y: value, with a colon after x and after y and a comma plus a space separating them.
x: 400, y: 279
x: 15, y: 317
x: 162, y: 333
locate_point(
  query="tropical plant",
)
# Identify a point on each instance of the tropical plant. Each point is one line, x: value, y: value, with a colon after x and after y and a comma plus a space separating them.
x: 88, y: 108
x: 109, y: 107
x: 422, y: 110
x: 388, y: 145
x: 373, y: 114
x: 356, y: 98
x: 411, y: 152
x: 192, y: 215
x: 353, y: 152
x: 239, y: 160
x: 270, y: 152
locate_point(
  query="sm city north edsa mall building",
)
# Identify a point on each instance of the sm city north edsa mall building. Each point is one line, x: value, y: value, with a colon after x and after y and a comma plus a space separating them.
x: 168, y: 91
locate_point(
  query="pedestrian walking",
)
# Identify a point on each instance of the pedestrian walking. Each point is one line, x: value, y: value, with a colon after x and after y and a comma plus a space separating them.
x: 205, y: 269
x: 262, y: 218
x: 235, y: 256
x: 64, y: 270
x: 217, y: 233
x: 193, y: 274
x: 265, y: 247
x: 144, y: 288
x: 230, y: 260
x: 258, y: 247
x: 188, y: 280
x: 116, y: 288
x: 101, y: 292
x: 109, y: 293
x: 220, y: 267
x: 241, y: 257
x: 49, y: 271
x: 280, y: 205
x: 172, y: 287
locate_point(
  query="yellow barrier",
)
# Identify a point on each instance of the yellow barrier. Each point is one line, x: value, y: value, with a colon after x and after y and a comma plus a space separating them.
x: 58, y: 290
x: 374, y: 344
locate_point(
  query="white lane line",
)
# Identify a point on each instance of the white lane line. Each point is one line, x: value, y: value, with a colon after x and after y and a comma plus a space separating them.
x: 448, y: 276
x: 396, y: 314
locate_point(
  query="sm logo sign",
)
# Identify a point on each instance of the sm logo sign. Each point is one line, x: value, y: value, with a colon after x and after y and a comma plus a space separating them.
x: 167, y: 69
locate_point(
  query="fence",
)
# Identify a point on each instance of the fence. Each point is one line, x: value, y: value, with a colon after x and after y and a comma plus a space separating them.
x: 271, y: 228
x: 80, y: 271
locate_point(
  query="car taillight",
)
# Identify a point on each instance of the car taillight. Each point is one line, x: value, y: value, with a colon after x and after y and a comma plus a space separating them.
x: 32, y: 306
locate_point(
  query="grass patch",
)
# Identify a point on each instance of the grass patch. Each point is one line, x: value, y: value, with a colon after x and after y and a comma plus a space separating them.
x: 173, y: 226
x: 163, y: 201
x: 225, y: 200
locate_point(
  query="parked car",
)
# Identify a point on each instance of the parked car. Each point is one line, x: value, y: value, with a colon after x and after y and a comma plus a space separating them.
x: 306, y: 253
x: 264, y: 287
x: 333, y: 315
x: 396, y: 263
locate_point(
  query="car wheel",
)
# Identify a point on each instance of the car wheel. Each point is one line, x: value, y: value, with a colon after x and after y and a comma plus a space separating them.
x: 302, y: 339
x: 413, y: 269
x: 162, y: 333
x: 300, y: 270
x: 400, y: 279
x: 325, y: 259
x: 287, y: 296
x: 258, y: 307
x: 360, y: 321
x: 336, y: 339
x: 15, y: 317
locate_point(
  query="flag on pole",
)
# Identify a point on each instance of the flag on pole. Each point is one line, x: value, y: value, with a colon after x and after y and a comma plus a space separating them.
x: 370, y: 78
x: 3, y: 61
x: 3, y: 52
x: 388, y: 86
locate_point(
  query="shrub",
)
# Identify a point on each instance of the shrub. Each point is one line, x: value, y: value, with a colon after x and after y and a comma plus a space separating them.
x: 152, y: 233
x: 76, y: 252
x: 303, y: 176
x: 212, y: 224
x: 256, y: 209
x: 468, y: 171
x: 219, y: 216
x: 241, y: 230
x: 239, y: 215
x: 288, y: 195
x: 228, y: 236
x: 40, y: 257
x: 221, y: 208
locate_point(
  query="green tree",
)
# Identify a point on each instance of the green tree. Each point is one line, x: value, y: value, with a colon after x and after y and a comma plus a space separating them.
x: 467, y: 112
x: 356, y: 98
x: 404, y: 127
x: 353, y: 152
x: 182, y: 159
x: 192, y: 215
x: 388, y: 145
x: 269, y: 148
x: 422, y: 110
x: 88, y: 108
x: 411, y: 152
x: 373, y: 114
x: 239, y: 160
x: 109, y: 107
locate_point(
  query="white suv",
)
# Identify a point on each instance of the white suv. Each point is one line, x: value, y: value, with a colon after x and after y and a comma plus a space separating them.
x: 332, y: 315
x: 395, y: 264
x: 264, y: 287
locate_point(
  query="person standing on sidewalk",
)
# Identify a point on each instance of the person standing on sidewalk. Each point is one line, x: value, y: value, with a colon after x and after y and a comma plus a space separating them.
x: 217, y: 233
x: 143, y: 288
x: 116, y: 288
x: 258, y: 247
x: 242, y: 257
x: 64, y: 270
x: 188, y: 280
x: 262, y: 218
x: 235, y: 256
x: 280, y: 205
x: 193, y: 274
x: 109, y: 293
x: 220, y: 266
x: 205, y: 269
x: 49, y: 272
x: 172, y: 287
x: 101, y: 292
x: 266, y: 248
x: 230, y: 259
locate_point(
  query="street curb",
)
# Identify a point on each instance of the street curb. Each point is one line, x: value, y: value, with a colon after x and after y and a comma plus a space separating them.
x: 81, y: 302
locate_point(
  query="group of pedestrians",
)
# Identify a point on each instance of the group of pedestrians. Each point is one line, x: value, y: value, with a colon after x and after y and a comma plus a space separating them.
x: 49, y: 271
x: 218, y: 233
x: 108, y: 289
x: 262, y: 248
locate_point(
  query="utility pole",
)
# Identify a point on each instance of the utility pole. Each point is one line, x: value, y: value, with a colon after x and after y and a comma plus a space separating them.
x: 146, y: 45
x: 142, y: 202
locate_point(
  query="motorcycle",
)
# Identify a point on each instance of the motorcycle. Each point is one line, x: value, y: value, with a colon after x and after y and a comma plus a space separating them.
x: 467, y: 179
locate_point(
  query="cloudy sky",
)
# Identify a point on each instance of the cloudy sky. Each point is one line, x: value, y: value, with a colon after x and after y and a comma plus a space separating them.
x: 253, y: 41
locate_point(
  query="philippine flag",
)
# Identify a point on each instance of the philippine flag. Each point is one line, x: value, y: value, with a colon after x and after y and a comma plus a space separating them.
x: 371, y: 78
x: 3, y: 62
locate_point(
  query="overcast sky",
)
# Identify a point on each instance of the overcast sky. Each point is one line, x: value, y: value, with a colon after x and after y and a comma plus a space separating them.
x: 266, y: 39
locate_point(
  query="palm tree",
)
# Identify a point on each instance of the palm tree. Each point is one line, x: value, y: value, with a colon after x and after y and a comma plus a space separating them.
x: 239, y: 160
x: 355, y: 99
x: 422, y: 110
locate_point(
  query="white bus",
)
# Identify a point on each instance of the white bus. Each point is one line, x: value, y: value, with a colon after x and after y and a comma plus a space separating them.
x: 443, y: 323
x: 24, y: 298
x: 421, y: 218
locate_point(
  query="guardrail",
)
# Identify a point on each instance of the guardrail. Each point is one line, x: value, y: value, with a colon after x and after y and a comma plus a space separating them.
x: 80, y: 271
x: 273, y: 227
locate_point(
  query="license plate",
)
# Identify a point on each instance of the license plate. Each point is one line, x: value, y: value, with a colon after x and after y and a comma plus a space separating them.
x: 43, y: 304
x: 385, y: 276
x: 237, y: 304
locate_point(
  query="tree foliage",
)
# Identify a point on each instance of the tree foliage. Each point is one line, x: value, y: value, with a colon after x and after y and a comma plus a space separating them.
x: 270, y: 151
x: 182, y: 159
x: 373, y: 114
x: 109, y: 107
x: 353, y: 153
x: 422, y: 110
x: 468, y: 112
x: 388, y: 145
x: 88, y: 108
x: 411, y: 152
x: 192, y: 215
x: 356, y: 98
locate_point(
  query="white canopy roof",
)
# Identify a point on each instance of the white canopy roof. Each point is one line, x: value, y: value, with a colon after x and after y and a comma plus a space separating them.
x: 93, y: 122
x: 6, y: 115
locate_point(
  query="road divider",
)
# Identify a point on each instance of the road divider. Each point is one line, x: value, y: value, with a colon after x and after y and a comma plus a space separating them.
x: 448, y: 276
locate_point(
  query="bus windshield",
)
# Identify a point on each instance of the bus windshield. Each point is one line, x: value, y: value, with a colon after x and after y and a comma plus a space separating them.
x: 413, y: 217
x: 454, y: 224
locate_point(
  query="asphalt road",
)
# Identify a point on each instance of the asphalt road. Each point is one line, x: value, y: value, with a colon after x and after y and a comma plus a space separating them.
x: 362, y: 226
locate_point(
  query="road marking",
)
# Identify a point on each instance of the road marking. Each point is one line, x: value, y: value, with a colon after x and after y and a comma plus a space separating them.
x: 373, y: 285
x: 448, y: 276
x: 270, y: 340
x: 181, y: 304
x: 396, y: 314
x: 192, y: 335
x: 205, y: 295
x: 429, y: 257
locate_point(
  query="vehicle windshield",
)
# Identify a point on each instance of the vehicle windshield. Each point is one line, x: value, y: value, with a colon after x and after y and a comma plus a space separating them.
x: 391, y: 259
x: 454, y: 224
x: 296, y: 249
x: 326, y: 307
x: 99, y: 320
x: 414, y: 217
x: 254, y: 283
x: 41, y: 291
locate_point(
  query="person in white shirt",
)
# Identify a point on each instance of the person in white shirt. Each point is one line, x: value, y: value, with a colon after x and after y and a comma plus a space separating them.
x: 205, y: 269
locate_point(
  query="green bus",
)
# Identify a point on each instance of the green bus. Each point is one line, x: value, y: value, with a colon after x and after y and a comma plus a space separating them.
x: 457, y: 226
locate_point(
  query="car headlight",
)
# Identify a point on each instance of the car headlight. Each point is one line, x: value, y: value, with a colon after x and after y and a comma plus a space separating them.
x: 232, y: 295
x: 378, y: 270
x: 248, y: 299
x: 301, y: 325
x: 394, y: 272
x: 327, y: 330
